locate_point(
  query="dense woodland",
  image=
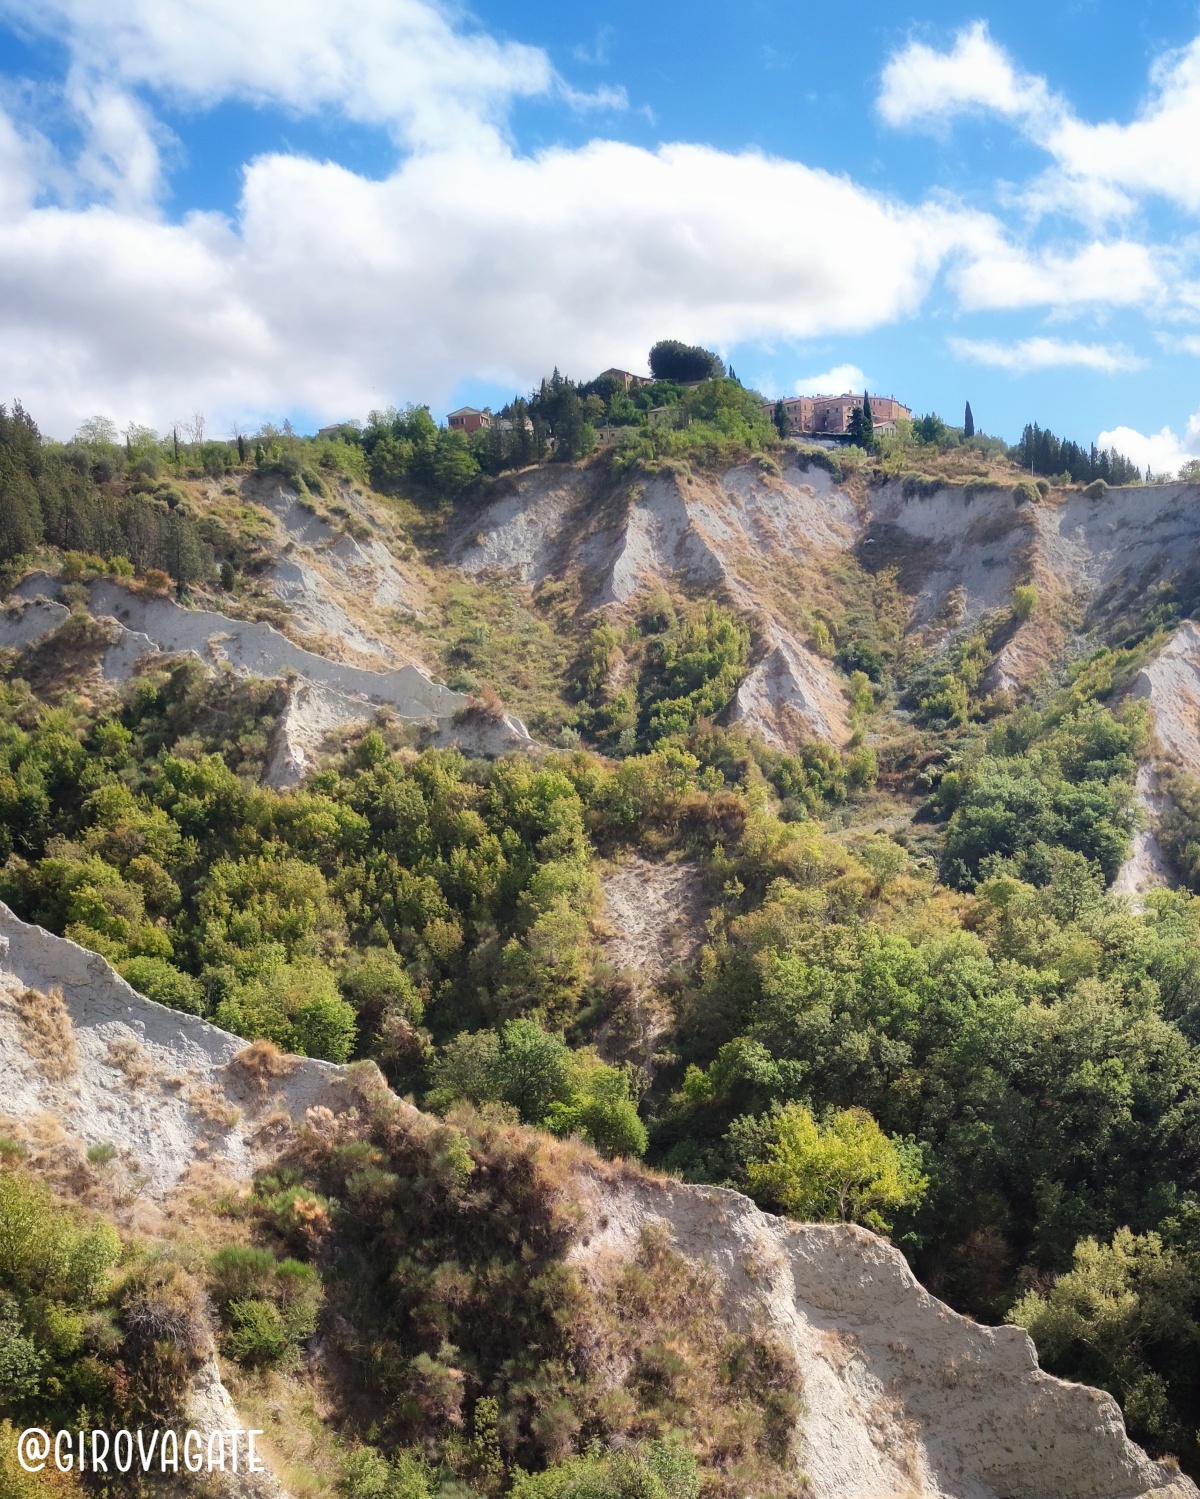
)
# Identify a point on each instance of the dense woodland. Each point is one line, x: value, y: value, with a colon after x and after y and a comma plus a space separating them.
x: 953, y: 1034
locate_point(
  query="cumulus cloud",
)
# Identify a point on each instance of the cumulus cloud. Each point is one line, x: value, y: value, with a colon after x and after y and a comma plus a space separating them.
x: 1162, y: 452
x: 1101, y: 169
x: 1045, y: 353
x: 330, y: 292
x: 335, y: 292
x: 923, y: 87
x: 397, y: 63
x: 840, y: 378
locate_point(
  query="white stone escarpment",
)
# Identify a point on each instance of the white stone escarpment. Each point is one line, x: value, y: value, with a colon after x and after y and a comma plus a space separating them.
x: 1170, y: 686
x: 719, y: 534
x: 323, y: 695
x: 902, y: 1396
x: 153, y: 1082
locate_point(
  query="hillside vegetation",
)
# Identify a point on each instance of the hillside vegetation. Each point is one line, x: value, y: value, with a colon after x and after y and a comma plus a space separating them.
x: 915, y: 1004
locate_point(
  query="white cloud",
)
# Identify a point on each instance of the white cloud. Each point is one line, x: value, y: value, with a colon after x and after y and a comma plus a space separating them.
x: 397, y: 63
x: 1045, y: 353
x: 1100, y: 169
x: 336, y: 293
x: 840, y: 378
x: 921, y: 86
x: 1162, y: 452
x: 1120, y: 273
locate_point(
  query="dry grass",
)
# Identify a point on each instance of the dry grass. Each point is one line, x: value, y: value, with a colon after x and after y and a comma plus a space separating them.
x: 211, y: 1105
x: 262, y: 1063
x: 48, y: 1032
x: 70, y: 657
x: 660, y: 1324
x: 299, y: 1445
x: 131, y: 1059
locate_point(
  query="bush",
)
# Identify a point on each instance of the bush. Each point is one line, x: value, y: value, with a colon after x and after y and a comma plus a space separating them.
x: 1096, y: 490
x: 846, y: 1170
x: 161, y: 981
x: 267, y: 1306
x: 257, y: 1335
x: 1025, y: 491
x: 653, y: 1470
x: 1024, y: 600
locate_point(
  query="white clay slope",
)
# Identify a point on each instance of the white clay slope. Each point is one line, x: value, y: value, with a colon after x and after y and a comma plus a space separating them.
x: 901, y: 1395
x: 712, y: 533
x: 325, y: 695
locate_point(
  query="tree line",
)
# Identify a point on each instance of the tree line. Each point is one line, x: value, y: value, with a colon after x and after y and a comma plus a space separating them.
x: 1040, y: 451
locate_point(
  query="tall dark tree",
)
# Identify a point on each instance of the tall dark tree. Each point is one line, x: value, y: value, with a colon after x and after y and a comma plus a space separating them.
x: 861, y: 429
x: 968, y: 422
x: 672, y: 360
x: 782, y: 425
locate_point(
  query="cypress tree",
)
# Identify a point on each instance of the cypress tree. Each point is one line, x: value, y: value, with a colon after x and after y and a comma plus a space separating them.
x: 968, y: 422
x: 781, y: 419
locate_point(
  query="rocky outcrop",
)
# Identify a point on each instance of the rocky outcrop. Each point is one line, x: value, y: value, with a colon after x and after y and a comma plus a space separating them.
x: 323, y: 695
x: 1170, y: 687
x: 726, y: 534
x: 902, y: 1396
x: 1147, y: 867
x: 158, y: 1084
x: 791, y: 695
x: 25, y: 621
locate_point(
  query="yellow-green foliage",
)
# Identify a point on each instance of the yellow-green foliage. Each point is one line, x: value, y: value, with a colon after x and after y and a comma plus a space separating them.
x: 1100, y: 1321
x: 78, y: 1345
x: 842, y: 1170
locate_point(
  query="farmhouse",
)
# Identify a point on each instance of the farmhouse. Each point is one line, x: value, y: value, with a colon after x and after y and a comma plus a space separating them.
x: 468, y: 419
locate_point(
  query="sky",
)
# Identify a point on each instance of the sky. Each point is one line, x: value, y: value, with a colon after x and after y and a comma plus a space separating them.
x: 259, y: 209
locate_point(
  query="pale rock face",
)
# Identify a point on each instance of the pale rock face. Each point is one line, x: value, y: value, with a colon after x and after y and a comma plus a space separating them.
x: 26, y: 620
x: 901, y: 1395
x: 188, y: 1093
x: 1170, y: 685
x: 710, y: 533
x: 791, y: 695
x: 324, y: 695
x: 1147, y: 867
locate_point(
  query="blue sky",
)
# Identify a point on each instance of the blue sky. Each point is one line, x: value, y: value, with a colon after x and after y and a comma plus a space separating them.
x: 252, y: 208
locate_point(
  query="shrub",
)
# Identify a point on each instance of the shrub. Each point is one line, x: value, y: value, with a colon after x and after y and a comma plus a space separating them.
x: 864, y: 656
x: 1024, y: 600
x: 257, y: 1335
x: 1025, y: 491
x: 1096, y: 490
x: 846, y: 1170
x: 162, y: 981
x: 267, y: 1306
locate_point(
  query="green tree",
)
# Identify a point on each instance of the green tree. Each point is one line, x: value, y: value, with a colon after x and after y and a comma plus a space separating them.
x: 968, y: 422
x: 683, y: 363
x: 846, y: 1170
x: 1125, y: 1317
x: 533, y: 1070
